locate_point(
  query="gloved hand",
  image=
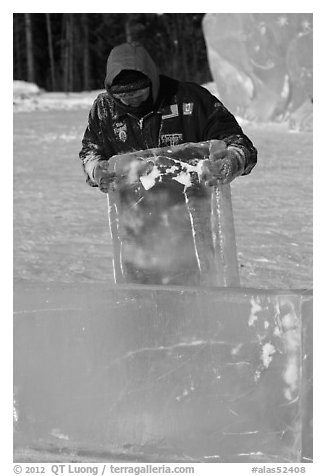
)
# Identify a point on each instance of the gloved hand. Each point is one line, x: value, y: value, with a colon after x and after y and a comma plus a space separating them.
x: 223, y: 166
x: 104, y: 179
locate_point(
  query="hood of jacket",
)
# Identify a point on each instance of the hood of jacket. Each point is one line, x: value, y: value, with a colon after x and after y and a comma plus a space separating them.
x: 135, y: 57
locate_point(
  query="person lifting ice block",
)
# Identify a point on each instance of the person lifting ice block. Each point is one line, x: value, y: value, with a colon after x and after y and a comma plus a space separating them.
x: 168, y: 232
x: 168, y: 225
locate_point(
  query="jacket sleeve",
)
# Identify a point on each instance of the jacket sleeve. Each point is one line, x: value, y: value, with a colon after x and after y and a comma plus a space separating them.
x: 93, y: 150
x: 218, y: 123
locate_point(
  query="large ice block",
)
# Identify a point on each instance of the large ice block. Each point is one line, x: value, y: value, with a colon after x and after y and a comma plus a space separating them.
x: 167, y: 226
x: 155, y: 373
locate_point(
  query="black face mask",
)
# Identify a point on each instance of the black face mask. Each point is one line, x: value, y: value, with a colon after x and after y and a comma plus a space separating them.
x: 140, y: 111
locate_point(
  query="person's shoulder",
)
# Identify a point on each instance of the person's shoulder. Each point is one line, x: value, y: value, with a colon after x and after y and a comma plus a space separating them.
x: 193, y: 92
x: 102, y: 105
x: 186, y: 89
x: 196, y: 89
x: 102, y: 98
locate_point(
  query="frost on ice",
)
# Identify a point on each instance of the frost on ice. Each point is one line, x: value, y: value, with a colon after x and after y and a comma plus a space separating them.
x: 280, y: 335
x: 267, y: 352
x: 255, y: 308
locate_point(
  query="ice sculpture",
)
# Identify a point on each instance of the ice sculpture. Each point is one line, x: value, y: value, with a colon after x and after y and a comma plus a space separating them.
x: 262, y: 63
x: 167, y: 226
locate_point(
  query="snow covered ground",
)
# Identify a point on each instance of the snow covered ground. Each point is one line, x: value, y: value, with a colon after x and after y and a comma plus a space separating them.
x: 60, y: 224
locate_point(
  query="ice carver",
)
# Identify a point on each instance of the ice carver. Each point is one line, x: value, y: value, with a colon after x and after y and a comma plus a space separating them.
x: 142, y: 109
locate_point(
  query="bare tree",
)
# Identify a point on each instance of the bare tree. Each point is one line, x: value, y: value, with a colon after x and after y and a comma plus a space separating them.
x: 128, y: 31
x: 18, y: 67
x: 68, y: 53
x: 71, y: 52
x: 50, y: 47
x: 29, y: 48
x: 86, y: 66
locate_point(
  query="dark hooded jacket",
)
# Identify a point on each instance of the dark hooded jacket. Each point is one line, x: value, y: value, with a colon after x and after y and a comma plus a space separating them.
x: 182, y: 112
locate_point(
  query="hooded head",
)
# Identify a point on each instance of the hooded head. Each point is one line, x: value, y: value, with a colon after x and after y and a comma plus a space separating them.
x: 131, y: 57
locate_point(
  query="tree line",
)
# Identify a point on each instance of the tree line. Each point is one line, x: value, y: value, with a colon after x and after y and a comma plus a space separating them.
x: 68, y: 51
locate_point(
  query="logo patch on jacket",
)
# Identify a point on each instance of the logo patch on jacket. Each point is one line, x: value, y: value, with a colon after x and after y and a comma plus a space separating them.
x: 170, y: 139
x: 173, y: 112
x: 187, y: 108
x: 120, y: 131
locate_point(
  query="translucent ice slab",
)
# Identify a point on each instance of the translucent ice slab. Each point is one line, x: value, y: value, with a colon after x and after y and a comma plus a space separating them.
x: 167, y: 226
x: 145, y: 373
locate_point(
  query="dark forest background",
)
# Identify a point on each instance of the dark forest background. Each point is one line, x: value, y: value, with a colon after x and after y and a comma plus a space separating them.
x: 68, y: 51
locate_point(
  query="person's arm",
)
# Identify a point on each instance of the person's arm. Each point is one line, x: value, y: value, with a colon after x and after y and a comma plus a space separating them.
x: 93, y: 156
x: 217, y: 122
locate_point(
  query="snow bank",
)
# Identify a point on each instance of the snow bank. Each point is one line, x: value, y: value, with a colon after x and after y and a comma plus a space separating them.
x: 29, y: 97
x: 25, y: 90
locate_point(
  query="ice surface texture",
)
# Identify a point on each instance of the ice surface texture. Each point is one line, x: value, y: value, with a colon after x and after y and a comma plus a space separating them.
x: 167, y: 226
x: 162, y: 373
x: 262, y: 64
